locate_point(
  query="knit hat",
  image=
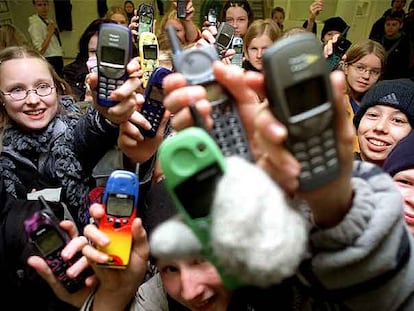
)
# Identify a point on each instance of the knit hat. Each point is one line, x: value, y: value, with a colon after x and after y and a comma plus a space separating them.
x: 401, y: 157
x: 333, y: 23
x: 397, y: 93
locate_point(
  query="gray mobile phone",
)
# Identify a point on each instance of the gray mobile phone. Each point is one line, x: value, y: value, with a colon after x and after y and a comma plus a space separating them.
x: 299, y: 93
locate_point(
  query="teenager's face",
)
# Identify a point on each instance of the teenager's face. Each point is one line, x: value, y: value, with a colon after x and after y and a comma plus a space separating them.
x: 363, y: 74
x: 392, y: 27
x: 92, y: 45
x: 41, y: 7
x: 237, y: 17
x: 278, y: 17
x: 380, y: 129
x: 405, y: 182
x: 329, y: 36
x: 34, y: 112
x: 129, y: 8
x: 256, y: 49
x: 195, y: 284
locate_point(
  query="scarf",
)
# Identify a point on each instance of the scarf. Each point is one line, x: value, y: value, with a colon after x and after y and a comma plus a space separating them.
x: 51, y: 152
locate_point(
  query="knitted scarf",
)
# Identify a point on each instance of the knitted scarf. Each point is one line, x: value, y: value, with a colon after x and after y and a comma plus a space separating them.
x: 51, y: 152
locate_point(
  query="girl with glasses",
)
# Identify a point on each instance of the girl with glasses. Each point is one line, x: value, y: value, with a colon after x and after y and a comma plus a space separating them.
x: 363, y: 67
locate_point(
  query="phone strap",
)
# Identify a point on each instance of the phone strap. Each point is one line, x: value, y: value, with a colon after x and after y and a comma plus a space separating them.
x: 56, y: 31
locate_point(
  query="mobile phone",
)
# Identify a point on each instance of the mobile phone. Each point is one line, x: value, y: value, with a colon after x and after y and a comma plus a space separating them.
x: 43, y: 231
x: 196, y: 66
x: 212, y: 16
x: 181, y: 8
x: 145, y: 15
x: 148, y: 49
x: 303, y: 101
x: 113, y: 54
x: 120, y: 199
x: 224, y: 38
x: 153, y: 108
x: 339, y: 49
x: 237, y: 45
x: 193, y: 164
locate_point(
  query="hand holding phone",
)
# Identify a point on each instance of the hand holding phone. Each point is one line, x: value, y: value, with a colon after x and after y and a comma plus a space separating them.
x: 113, y: 54
x: 196, y: 66
x: 43, y: 231
x: 224, y: 38
x: 153, y: 108
x: 120, y: 199
x: 303, y: 101
x: 339, y: 49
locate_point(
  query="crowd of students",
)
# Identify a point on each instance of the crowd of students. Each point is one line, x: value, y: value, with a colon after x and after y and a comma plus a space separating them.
x: 359, y: 226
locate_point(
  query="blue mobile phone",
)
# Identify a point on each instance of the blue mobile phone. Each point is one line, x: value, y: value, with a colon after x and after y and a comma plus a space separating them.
x: 113, y: 54
x: 153, y: 108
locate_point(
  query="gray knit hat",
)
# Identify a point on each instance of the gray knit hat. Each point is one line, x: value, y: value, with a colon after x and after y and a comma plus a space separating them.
x: 397, y: 93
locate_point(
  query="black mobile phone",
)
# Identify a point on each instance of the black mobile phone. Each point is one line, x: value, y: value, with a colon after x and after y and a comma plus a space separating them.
x: 181, y: 8
x: 146, y: 17
x: 300, y: 95
x: 339, y: 49
x: 212, y: 16
x: 196, y: 66
x: 224, y: 38
x: 153, y: 108
x: 113, y: 54
x: 237, y: 46
x: 43, y: 231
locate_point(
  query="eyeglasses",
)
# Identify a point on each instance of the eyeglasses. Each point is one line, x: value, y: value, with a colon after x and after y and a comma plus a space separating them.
x: 41, y: 90
x: 363, y: 69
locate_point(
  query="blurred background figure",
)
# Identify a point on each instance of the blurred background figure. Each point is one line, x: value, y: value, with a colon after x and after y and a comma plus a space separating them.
x: 129, y: 8
x: 11, y: 36
x: 278, y: 15
x: 44, y: 34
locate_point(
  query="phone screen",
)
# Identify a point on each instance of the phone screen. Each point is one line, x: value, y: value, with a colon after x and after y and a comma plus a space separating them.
x: 306, y: 95
x: 48, y: 241
x: 113, y: 55
x: 150, y: 51
x: 196, y: 193
x: 156, y: 93
x: 120, y: 205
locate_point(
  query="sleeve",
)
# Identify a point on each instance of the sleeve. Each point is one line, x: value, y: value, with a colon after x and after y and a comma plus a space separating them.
x: 151, y: 296
x: 366, y: 261
x: 93, y: 138
x: 37, y: 32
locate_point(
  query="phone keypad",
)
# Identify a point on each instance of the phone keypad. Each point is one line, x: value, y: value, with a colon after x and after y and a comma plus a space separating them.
x: 316, y: 155
x: 228, y: 131
x: 107, y: 86
x: 59, y: 267
x: 152, y: 111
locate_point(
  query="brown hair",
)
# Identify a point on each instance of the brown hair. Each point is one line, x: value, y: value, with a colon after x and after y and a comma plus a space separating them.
x: 364, y: 48
x: 244, y: 4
